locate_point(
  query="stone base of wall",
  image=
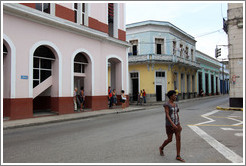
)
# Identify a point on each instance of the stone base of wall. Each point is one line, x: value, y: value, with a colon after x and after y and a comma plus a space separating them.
x: 24, y: 108
x: 21, y: 108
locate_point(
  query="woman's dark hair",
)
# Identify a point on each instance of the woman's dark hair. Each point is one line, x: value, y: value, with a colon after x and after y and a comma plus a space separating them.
x: 170, y: 93
x: 122, y: 91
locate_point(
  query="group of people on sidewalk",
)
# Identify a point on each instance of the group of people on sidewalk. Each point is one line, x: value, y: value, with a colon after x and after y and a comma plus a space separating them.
x: 112, y: 98
x: 79, y: 99
x: 141, y: 97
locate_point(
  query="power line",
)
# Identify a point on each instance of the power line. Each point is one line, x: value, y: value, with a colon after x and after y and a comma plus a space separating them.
x: 208, y: 33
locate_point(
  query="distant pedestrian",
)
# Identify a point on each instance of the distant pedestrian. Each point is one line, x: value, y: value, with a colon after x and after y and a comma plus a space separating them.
x: 144, y: 96
x: 138, y: 99
x: 172, y: 124
x: 114, y: 97
x: 177, y: 94
x: 201, y: 92
x: 123, y: 99
x: 110, y: 97
x: 75, y: 99
x: 81, y: 98
x: 141, y: 97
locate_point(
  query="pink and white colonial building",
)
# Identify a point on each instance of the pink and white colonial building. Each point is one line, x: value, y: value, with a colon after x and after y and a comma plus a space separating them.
x: 51, y: 48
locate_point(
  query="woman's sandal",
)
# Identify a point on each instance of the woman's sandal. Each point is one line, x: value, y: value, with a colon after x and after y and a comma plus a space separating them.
x: 161, y: 151
x: 180, y: 159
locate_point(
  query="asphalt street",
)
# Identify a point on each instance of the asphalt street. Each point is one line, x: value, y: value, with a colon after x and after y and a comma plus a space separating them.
x: 208, y: 136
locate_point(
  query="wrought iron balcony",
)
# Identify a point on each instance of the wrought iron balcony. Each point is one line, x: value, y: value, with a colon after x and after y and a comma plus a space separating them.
x: 162, y: 58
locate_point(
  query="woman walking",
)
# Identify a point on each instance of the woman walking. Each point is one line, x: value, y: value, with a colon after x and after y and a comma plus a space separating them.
x: 172, y: 124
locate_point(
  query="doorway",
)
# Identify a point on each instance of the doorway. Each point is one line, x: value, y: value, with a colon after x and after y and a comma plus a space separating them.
x: 206, y: 84
x: 212, y: 84
x: 160, y: 82
x: 134, y: 86
x: 158, y: 93
x: 135, y: 89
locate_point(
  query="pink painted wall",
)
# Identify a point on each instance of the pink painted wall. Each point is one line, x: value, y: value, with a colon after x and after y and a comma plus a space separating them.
x: 30, y: 33
x: 99, y: 11
x: 67, y: 5
x: 122, y: 16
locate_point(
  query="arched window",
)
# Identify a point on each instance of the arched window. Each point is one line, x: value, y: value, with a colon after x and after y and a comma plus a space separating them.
x: 42, y: 64
x: 79, y: 63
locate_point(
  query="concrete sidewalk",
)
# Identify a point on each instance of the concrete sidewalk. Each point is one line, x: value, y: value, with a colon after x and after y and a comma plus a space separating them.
x: 59, y: 118
x: 9, y: 124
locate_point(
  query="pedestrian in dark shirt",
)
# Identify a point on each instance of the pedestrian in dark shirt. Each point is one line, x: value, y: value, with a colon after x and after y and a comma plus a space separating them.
x: 110, y: 97
x: 172, y: 124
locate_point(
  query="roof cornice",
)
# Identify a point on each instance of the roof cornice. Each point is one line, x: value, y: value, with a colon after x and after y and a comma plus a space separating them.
x: 159, y: 23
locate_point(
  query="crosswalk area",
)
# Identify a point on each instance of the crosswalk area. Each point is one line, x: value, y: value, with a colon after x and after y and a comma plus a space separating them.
x: 223, y: 130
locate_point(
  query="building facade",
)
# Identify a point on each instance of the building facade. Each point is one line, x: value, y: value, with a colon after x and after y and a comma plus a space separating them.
x: 224, y: 77
x: 209, y: 78
x: 236, y: 46
x: 161, y: 58
x: 51, y: 48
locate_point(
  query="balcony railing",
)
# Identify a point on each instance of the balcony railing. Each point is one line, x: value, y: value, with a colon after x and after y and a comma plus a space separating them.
x: 162, y: 58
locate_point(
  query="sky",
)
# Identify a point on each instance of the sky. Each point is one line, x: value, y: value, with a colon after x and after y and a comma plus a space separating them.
x: 202, y: 20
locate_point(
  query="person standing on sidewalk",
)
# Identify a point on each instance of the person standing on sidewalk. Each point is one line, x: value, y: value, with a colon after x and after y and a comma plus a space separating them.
x: 110, y: 97
x: 81, y: 98
x: 75, y: 99
x: 114, y: 98
x: 172, y: 124
x: 123, y: 99
x: 141, y: 97
x: 144, y: 96
x: 177, y: 93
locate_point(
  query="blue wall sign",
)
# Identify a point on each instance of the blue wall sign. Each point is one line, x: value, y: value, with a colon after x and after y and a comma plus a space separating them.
x: 24, y: 77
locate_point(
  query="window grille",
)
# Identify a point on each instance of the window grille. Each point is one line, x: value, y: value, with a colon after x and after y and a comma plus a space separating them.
x: 80, y: 62
x: 134, y: 75
x: 160, y: 74
x: 42, y: 64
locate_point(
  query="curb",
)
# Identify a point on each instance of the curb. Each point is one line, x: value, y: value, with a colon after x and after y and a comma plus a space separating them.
x: 67, y: 119
x: 229, y: 109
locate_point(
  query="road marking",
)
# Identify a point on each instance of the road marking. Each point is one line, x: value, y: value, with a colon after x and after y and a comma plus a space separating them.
x: 224, y: 117
x: 226, y: 152
x: 215, y: 125
x: 231, y: 129
x: 206, y: 116
x: 240, y: 122
x: 238, y: 134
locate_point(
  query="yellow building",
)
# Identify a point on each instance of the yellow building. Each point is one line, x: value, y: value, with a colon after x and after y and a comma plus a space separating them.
x: 160, y: 59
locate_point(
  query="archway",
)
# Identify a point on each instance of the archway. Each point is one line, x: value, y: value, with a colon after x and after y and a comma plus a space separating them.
x: 82, y: 77
x: 115, y: 75
x: 6, y: 79
x: 45, y: 79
